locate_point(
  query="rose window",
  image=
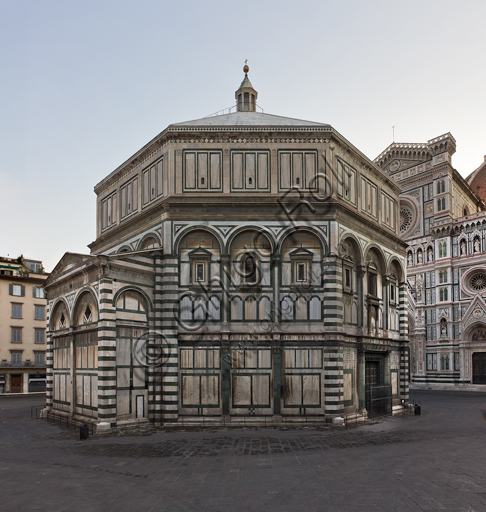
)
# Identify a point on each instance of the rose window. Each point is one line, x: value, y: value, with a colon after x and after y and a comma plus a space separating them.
x: 406, y: 217
x: 478, y: 282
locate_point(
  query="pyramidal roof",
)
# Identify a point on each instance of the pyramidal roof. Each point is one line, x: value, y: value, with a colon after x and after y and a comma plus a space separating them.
x: 246, y: 114
x: 249, y: 119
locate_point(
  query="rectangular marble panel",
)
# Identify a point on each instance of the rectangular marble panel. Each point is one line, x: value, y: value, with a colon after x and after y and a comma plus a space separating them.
x: 186, y: 358
x: 160, y: 178
x: 87, y: 390
x: 394, y: 382
x: 348, y: 386
x: 213, y: 358
x: 261, y: 390
x: 139, y: 377
x: 242, y: 390
x: 200, y: 358
x: 190, y: 169
x: 311, y: 391
x: 293, y: 390
x: 209, y: 390
x: 140, y: 406
x: 237, y: 170
x: 250, y: 178
x: 122, y: 402
x: 79, y: 389
x: 264, y: 359
x: 202, y: 170
x: 215, y: 171
x: 190, y: 390
x: 262, y: 171
x: 297, y: 170
x: 285, y: 171
x: 310, y: 170
x: 251, y: 359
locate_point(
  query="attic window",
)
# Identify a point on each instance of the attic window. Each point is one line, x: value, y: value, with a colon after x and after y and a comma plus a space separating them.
x: 250, y: 181
x: 297, y: 181
x: 202, y: 181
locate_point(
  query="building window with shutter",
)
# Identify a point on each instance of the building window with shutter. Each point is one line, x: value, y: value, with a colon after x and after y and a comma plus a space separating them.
x: 108, y: 212
x: 39, y: 359
x: 39, y: 313
x: 16, y: 358
x: 16, y: 310
x: 38, y: 292
x: 18, y: 290
x: 16, y: 334
x: 39, y: 335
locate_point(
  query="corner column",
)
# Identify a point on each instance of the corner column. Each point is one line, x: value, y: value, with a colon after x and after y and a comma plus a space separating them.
x: 106, y: 353
x: 333, y: 380
x: 167, y: 297
x: 49, y: 362
x: 333, y: 293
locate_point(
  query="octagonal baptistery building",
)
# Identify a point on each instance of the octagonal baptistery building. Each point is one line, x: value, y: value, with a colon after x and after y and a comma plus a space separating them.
x: 247, y: 268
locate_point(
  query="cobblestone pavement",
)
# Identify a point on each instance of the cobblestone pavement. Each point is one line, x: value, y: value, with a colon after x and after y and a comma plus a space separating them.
x: 435, y: 461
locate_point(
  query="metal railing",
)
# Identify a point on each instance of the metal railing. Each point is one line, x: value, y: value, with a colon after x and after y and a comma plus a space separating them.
x: 379, y: 401
x: 39, y: 413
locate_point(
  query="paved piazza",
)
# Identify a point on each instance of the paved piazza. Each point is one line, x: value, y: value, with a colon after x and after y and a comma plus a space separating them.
x: 435, y: 461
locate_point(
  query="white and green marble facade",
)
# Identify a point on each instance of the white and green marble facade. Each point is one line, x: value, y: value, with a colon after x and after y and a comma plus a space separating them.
x: 177, y: 225
x: 443, y: 222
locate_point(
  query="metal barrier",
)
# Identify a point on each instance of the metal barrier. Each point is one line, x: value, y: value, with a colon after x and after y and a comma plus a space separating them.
x: 379, y: 401
x: 62, y: 420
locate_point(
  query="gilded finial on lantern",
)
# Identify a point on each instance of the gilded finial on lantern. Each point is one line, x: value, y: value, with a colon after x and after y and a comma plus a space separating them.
x: 245, y: 67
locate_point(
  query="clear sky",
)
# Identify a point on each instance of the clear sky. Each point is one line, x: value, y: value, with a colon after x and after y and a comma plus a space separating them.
x: 84, y: 84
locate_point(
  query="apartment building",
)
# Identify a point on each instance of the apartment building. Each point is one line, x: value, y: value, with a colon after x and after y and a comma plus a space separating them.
x: 22, y: 326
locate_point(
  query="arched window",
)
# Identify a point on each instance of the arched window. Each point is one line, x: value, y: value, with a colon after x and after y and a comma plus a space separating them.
x: 149, y: 243
x: 59, y: 317
x: 443, y: 294
x: 131, y: 300
x: 86, y: 310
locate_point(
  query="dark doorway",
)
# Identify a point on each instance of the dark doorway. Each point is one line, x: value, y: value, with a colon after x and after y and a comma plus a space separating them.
x: 479, y: 368
x: 16, y: 384
x: 373, y: 373
x: 378, y: 395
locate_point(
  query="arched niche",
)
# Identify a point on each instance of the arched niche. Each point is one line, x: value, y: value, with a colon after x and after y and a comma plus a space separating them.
x: 301, y: 257
x: 85, y: 309
x: 199, y: 256
x: 250, y: 253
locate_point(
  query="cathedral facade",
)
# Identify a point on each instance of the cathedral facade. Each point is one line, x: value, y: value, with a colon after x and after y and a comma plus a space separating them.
x: 443, y: 221
x: 247, y: 268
